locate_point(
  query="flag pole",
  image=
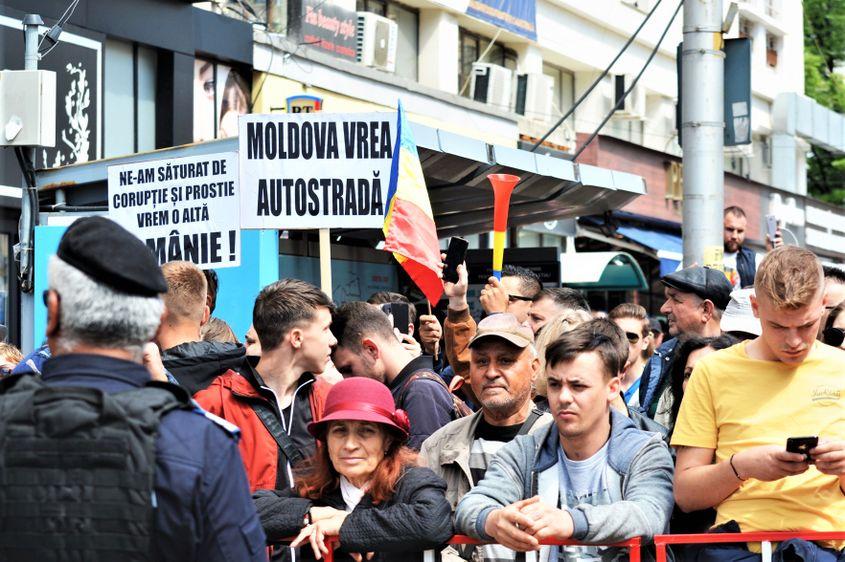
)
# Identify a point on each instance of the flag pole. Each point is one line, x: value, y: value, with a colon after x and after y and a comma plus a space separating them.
x: 436, y: 344
x: 325, y: 262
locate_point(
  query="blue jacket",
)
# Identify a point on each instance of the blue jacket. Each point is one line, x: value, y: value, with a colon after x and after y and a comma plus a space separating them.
x: 746, y: 266
x: 427, y: 402
x: 655, y: 377
x: 204, y: 510
x: 639, y: 483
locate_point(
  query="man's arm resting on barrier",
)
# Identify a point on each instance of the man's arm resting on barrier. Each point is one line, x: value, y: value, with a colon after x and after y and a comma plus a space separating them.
x: 700, y: 483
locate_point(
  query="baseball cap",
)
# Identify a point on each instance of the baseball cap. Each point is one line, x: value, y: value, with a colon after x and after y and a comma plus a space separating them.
x: 707, y: 283
x: 505, y: 326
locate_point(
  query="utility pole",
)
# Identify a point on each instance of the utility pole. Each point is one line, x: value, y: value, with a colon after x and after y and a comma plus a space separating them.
x: 702, y: 117
x: 27, y: 244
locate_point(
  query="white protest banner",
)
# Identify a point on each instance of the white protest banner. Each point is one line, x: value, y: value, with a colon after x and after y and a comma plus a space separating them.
x: 315, y: 170
x: 182, y: 208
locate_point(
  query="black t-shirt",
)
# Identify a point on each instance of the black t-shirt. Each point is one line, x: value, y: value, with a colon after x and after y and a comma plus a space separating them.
x: 487, y: 441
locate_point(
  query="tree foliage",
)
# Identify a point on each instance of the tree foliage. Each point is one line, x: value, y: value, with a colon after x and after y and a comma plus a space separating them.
x: 824, y: 52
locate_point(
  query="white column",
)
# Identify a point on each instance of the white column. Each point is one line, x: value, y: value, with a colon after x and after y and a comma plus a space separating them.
x: 529, y: 59
x: 784, y: 160
x: 439, y: 54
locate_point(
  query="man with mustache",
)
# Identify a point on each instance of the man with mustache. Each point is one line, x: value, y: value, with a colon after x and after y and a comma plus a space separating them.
x: 695, y: 299
x: 503, y: 366
x: 743, y: 403
x: 591, y: 476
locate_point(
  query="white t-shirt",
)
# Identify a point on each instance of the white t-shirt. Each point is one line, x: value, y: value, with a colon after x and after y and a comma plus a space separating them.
x: 730, y: 269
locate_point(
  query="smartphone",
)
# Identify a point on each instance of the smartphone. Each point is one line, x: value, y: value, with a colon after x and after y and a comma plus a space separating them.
x: 455, y: 256
x: 400, y: 314
x: 801, y: 445
x: 771, y: 226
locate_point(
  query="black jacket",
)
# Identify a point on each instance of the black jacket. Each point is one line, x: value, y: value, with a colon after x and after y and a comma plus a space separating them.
x: 195, y: 364
x: 746, y: 265
x: 427, y: 402
x: 417, y: 518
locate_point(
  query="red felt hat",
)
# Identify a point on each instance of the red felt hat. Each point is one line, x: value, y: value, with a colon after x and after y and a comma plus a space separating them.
x: 361, y: 399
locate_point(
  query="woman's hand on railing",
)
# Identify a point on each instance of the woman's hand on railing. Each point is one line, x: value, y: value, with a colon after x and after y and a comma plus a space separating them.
x: 317, y: 532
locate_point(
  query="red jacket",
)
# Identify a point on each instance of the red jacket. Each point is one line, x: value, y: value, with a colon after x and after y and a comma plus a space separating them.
x: 230, y: 397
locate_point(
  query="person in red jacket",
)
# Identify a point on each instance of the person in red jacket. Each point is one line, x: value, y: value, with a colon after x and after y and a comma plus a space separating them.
x: 273, y: 402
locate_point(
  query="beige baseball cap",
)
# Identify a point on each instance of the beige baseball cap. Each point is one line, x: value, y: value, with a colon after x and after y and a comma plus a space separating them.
x: 503, y: 325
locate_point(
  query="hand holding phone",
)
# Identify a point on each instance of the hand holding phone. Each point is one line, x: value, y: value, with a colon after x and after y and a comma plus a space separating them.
x: 802, y: 445
x: 399, y: 313
x: 455, y: 256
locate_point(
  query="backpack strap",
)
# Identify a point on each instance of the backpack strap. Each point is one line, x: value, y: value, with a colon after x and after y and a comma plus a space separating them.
x: 268, y: 417
x: 530, y: 421
x: 459, y: 408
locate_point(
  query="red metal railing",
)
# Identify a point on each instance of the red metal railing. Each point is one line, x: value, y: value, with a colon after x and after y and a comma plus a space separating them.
x: 633, y: 545
x: 661, y: 541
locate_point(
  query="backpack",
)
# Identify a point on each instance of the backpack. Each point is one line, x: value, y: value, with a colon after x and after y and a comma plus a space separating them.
x: 77, y: 470
x: 459, y: 407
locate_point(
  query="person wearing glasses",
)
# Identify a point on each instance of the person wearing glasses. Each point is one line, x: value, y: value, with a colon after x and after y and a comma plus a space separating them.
x: 834, y: 327
x: 633, y: 320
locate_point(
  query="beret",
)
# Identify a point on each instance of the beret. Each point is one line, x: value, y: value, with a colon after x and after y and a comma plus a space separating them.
x: 707, y: 283
x: 112, y: 256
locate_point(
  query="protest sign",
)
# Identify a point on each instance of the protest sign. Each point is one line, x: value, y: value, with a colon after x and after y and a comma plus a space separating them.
x: 316, y: 170
x: 183, y: 208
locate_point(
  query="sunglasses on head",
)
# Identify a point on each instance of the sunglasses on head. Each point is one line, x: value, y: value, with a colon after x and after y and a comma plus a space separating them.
x: 632, y: 337
x: 513, y: 298
x: 833, y: 336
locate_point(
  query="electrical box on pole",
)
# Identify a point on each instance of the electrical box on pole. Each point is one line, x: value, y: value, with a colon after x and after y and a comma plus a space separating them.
x: 28, y: 108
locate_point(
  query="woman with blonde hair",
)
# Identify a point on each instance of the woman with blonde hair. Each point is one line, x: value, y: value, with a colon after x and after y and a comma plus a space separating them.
x: 557, y: 326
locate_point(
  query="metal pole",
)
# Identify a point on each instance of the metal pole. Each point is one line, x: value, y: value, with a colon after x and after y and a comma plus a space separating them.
x: 30, y: 31
x: 703, y: 62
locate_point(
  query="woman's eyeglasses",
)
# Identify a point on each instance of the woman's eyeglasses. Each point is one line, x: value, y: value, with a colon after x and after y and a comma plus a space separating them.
x: 833, y: 336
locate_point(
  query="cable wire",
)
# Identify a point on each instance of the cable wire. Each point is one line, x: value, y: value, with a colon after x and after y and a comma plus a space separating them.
x: 53, y: 33
x: 597, y: 80
x: 632, y: 86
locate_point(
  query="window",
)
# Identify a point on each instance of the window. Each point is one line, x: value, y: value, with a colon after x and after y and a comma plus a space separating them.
x: 772, y: 48
x: 407, y: 43
x: 129, y: 100
x: 471, y: 47
x: 564, y: 92
x: 746, y: 29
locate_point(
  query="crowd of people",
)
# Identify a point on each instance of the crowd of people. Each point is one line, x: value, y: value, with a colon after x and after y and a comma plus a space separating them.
x: 144, y: 430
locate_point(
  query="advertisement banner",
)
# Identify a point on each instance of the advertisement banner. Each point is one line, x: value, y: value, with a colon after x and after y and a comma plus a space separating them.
x: 330, y: 27
x: 315, y: 170
x: 182, y: 208
x: 517, y: 16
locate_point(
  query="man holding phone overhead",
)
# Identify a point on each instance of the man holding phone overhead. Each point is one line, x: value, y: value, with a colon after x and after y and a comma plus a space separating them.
x: 747, y: 407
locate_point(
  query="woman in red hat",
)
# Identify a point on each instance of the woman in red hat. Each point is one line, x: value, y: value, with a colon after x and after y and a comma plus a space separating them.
x: 363, y: 486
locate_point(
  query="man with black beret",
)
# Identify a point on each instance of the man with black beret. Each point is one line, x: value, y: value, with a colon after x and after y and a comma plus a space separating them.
x: 98, y: 460
x: 695, y: 299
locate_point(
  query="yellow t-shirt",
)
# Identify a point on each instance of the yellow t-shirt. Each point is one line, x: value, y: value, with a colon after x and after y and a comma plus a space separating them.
x: 734, y: 402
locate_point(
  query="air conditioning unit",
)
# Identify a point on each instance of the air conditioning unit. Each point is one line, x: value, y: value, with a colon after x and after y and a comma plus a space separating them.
x: 376, y: 41
x: 641, y: 5
x: 492, y: 84
x: 534, y: 95
x: 634, y: 105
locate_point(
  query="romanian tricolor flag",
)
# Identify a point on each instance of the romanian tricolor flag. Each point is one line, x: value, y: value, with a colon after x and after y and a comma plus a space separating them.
x: 409, y: 230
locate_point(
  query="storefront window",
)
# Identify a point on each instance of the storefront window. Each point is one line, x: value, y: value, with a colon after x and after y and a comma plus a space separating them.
x: 130, y: 90
x: 471, y: 47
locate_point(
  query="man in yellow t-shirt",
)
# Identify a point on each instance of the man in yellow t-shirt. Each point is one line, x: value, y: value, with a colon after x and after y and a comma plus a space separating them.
x: 744, y: 402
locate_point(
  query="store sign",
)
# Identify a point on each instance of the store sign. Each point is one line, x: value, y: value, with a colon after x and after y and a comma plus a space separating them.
x: 517, y: 16
x: 318, y: 170
x: 76, y: 60
x: 327, y: 25
x: 182, y: 208
x: 304, y: 104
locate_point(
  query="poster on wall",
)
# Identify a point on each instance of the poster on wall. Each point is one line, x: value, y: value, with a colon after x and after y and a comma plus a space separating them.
x: 182, y: 208
x: 76, y: 60
x: 315, y: 170
x: 221, y: 94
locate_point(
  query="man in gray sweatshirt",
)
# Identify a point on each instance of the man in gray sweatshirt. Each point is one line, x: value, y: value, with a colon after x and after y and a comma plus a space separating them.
x: 592, y: 476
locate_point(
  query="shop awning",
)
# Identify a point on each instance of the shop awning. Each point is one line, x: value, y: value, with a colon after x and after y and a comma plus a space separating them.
x: 455, y: 168
x: 669, y: 247
x: 601, y: 271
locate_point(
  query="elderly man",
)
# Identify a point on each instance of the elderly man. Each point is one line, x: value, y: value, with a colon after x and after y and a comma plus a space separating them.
x: 591, y: 476
x: 695, y: 299
x: 124, y: 465
x: 743, y: 403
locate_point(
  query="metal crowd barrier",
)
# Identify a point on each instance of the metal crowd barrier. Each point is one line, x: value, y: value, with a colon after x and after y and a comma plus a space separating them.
x: 633, y: 546
x: 764, y: 538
